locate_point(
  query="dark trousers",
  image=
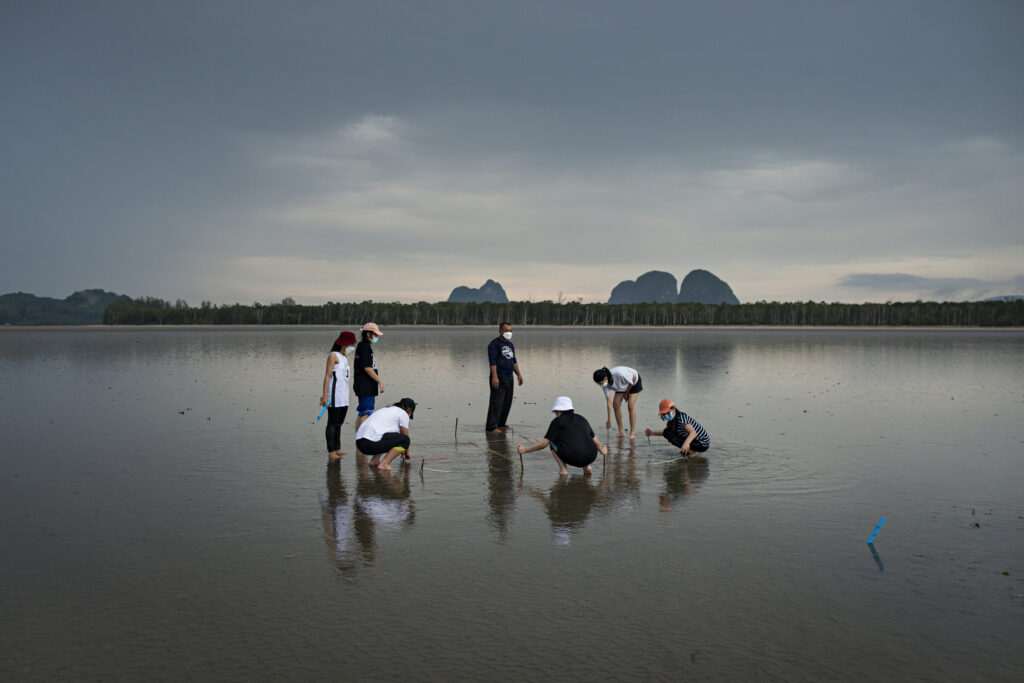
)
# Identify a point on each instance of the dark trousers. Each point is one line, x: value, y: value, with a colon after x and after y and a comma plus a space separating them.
x: 335, y: 417
x: 500, y: 403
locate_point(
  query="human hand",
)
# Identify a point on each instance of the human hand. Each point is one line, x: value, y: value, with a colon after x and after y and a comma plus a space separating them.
x: 381, y: 385
x: 608, y: 424
x: 494, y: 383
x: 519, y: 448
x: 520, y: 380
x: 648, y: 431
x: 323, y: 400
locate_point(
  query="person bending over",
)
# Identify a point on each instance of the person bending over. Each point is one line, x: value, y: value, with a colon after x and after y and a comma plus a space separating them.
x: 620, y: 383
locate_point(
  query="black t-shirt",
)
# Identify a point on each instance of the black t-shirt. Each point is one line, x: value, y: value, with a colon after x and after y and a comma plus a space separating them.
x: 364, y: 384
x: 572, y: 432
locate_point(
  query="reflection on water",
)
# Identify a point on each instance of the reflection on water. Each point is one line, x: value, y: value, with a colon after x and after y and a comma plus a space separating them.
x: 134, y: 549
x: 381, y: 500
x: 681, y: 479
x: 568, y: 503
x: 502, y: 474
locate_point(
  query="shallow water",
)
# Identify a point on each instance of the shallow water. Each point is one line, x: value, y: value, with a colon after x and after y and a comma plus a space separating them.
x: 168, y: 512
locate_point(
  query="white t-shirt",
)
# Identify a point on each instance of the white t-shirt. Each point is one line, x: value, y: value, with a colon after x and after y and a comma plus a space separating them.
x: 337, y: 388
x: 383, y: 421
x: 622, y: 377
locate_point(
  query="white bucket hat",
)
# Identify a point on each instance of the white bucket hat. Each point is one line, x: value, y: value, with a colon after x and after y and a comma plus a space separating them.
x: 562, y: 403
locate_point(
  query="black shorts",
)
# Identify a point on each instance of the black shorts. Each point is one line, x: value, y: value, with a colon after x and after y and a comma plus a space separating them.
x: 386, y: 443
x: 638, y: 387
x: 699, y: 447
x: 570, y: 458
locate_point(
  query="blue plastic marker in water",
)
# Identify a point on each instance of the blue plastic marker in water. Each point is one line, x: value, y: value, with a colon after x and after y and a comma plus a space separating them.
x: 878, y: 527
x: 325, y: 408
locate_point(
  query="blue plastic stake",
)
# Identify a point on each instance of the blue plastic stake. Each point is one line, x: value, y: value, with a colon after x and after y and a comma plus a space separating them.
x: 871, y: 538
x: 325, y: 408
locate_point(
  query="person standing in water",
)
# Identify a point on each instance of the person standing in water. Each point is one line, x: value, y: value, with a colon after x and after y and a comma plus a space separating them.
x: 681, y: 430
x: 367, y: 383
x: 386, y: 431
x: 620, y: 383
x: 501, y: 355
x: 570, y: 437
x: 335, y: 392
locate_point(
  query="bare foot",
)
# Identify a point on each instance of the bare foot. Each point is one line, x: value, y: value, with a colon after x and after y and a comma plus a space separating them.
x: 620, y: 435
x: 504, y: 427
x: 588, y: 470
x: 333, y: 457
x: 496, y: 430
x: 632, y: 436
x: 374, y: 461
x: 382, y: 466
x: 562, y: 473
x: 341, y: 453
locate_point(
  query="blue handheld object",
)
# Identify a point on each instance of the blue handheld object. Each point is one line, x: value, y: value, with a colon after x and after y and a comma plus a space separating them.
x: 878, y: 527
x: 325, y: 408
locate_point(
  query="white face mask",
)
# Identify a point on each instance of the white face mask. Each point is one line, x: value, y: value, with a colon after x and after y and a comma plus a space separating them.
x: 349, y: 350
x: 507, y: 335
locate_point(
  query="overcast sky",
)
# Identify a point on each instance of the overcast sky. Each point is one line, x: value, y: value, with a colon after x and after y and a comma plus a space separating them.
x: 249, y: 151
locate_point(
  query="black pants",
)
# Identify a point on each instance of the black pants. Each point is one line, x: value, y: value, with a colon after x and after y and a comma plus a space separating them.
x: 500, y: 404
x: 386, y: 443
x: 335, y: 418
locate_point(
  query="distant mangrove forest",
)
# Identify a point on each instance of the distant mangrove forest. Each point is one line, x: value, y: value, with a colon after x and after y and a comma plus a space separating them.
x: 153, y: 311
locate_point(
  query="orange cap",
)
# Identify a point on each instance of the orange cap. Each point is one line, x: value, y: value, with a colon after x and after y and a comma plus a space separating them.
x: 665, y: 406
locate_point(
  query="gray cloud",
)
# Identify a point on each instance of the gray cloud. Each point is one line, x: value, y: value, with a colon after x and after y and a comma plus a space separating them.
x: 934, y: 287
x: 174, y: 150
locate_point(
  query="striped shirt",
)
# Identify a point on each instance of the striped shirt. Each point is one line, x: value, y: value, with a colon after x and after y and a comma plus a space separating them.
x: 676, y: 433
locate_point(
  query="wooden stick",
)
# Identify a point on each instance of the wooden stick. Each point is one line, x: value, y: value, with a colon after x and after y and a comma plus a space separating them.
x: 456, y: 429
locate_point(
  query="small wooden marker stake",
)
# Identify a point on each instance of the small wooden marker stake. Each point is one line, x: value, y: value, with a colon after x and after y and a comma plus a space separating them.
x: 456, y: 429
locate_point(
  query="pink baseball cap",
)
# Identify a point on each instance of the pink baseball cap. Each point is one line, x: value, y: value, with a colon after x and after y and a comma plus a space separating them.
x: 371, y: 327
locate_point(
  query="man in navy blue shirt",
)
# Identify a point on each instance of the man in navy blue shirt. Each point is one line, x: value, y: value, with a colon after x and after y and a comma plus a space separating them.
x: 501, y: 355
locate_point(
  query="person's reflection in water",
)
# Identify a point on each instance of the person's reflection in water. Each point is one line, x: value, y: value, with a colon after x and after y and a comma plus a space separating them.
x: 381, y: 500
x: 620, y: 473
x: 337, y: 516
x: 681, y: 479
x: 501, y: 495
x: 569, y: 503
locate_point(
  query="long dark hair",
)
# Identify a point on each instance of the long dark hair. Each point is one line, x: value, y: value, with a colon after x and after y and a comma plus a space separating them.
x: 602, y: 374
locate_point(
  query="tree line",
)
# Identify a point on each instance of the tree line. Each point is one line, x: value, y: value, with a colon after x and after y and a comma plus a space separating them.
x: 153, y: 311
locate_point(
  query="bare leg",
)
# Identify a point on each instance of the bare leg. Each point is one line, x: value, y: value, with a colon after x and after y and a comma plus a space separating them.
x: 385, y: 464
x: 632, y: 415
x: 360, y: 420
x: 617, y: 407
x: 588, y: 470
x: 561, y: 465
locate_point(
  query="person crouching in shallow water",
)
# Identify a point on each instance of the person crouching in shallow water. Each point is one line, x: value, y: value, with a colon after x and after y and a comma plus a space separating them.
x: 570, y: 437
x: 681, y: 430
x: 335, y: 393
x: 386, y: 431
